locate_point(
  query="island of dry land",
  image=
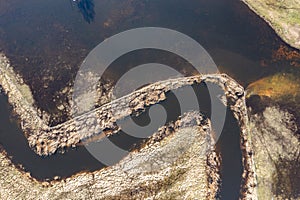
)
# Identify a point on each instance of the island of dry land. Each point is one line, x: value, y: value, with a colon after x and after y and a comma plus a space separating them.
x: 283, y: 17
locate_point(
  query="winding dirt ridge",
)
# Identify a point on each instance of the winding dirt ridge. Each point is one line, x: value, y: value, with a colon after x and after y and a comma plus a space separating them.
x: 124, y: 180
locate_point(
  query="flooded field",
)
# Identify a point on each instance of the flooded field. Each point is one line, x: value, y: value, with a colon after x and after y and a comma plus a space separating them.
x: 57, y: 35
x: 46, y: 42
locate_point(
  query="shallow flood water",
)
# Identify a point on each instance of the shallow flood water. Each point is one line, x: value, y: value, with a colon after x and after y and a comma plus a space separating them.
x: 56, y: 37
x: 46, y: 41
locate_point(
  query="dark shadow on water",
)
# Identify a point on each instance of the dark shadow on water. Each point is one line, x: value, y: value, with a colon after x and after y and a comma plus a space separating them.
x: 86, y: 7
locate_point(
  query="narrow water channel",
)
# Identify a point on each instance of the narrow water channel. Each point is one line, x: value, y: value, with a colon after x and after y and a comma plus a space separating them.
x: 15, y: 144
x: 58, y: 34
x: 79, y: 159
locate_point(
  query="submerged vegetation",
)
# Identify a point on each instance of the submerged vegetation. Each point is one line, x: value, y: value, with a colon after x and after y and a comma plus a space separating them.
x: 280, y: 89
x: 276, y: 86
